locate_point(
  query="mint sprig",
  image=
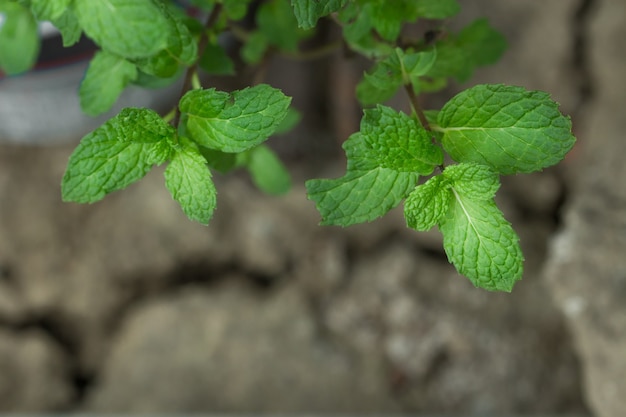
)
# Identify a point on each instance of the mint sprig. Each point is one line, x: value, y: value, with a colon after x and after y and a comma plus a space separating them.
x: 485, y: 131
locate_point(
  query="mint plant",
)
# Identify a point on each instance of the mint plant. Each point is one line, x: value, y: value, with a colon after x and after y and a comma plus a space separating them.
x: 444, y: 164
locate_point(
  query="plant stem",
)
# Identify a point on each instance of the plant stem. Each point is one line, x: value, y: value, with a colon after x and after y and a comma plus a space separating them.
x: 192, y: 71
x: 417, y: 109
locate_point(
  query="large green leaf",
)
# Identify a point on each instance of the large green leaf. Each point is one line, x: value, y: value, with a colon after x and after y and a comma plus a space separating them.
x: 116, y: 154
x: 129, y: 28
x: 366, y: 192
x: 234, y: 123
x: 104, y: 81
x: 480, y: 243
x: 396, y: 141
x: 19, y: 40
x: 507, y: 128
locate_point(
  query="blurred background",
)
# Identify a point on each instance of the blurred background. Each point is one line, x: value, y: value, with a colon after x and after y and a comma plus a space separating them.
x: 125, y: 306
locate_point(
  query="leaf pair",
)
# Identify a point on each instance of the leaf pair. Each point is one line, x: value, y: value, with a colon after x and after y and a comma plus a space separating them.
x: 479, y: 242
x: 385, y: 160
x: 127, y: 146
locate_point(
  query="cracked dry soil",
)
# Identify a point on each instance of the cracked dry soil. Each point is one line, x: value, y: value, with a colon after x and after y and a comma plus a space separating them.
x: 125, y: 306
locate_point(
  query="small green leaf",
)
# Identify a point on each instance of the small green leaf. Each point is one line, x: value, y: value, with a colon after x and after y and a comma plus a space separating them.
x: 19, y: 40
x: 129, y: 28
x: 365, y: 192
x: 276, y: 21
x: 181, y: 50
x: 254, y: 49
x: 69, y: 27
x: 235, y: 9
x: 308, y: 12
x: 116, y: 154
x: 220, y: 161
x: 387, y: 17
x: 396, y: 141
x: 188, y: 179
x: 104, y: 81
x: 481, y: 244
x: 234, y: 123
x: 49, y: 9
x: 439, y: 9
x: 215, y: 61
x: 291, y: 120
x: 267, y: 171
x: 399, y: 68
x: 154, y: 82
x: 358, y: 32
x: 427, y: 204
x: 474, y: 181
x: 507, y: 128
x: 459, y: 55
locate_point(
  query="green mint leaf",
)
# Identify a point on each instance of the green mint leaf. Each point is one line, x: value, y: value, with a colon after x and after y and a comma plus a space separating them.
x: 399, y: 68
x: 439, y: 9
x: 481, y: 244
x: 69, y: 27
x: 154, y: 82
x: 234, y: 123
x: 368, y: 94
x: 508, y: 128
x: 360, y: 195
x: 214, y: 60
x: 396, y: 141
x: 188, y: 179
x: 254, y: 49
x: 277, y: 22
x: 291, y: 120
x: 129, y: 28
x: 220, y: 161
x: 459, y: 55
x: 474, y: 181
x: 116, y: 154
x: 367, y: 190
x: 267, y: 171
x: 308, y: 12
x: 104, y: 81
x: 235, y: 9
x: 387, y: 17
x: 427, y: 204
x: 49, y: 9
x: 358, y: 32
x: 181, y: 50
x: 19, y: 40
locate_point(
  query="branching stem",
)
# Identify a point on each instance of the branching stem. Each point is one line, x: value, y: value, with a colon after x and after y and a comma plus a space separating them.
x: 191, y: 74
